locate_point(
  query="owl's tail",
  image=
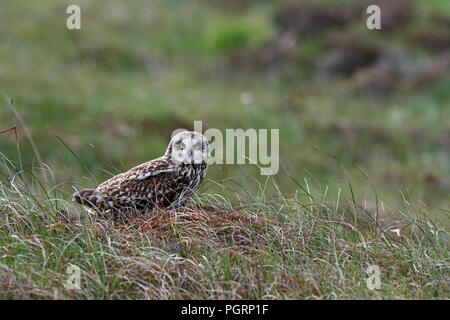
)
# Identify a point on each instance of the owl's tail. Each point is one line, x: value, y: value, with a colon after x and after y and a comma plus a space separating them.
x: 86, y: 197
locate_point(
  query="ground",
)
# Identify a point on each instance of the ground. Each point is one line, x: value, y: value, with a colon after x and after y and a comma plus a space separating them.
x: 364, y: 148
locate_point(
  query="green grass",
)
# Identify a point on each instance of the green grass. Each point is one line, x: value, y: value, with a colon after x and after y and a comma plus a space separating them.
x: 301, y: 247
x: 114, y: 92
x: 134, y: 76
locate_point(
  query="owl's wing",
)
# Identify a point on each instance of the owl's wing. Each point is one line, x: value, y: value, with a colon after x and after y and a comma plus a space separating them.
x: 151, y: 182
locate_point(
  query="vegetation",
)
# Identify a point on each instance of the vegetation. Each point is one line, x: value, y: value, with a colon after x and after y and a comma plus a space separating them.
x: 300, y: 247
x: 364, y: 148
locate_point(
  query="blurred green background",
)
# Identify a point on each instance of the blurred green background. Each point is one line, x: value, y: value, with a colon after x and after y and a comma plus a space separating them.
x: 116, y: 89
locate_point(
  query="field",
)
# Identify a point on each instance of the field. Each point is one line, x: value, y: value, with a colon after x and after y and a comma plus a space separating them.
x: 364, y: 148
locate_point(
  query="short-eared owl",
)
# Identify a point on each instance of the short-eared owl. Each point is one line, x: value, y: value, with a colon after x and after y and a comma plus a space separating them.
x: 163, y: 182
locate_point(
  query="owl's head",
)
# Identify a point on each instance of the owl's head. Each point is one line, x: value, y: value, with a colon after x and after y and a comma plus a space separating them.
x: 188, y: 147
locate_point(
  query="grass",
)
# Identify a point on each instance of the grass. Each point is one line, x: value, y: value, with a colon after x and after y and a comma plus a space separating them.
x: 355, y: 167
x: 136, y: 72
x: 244, y: 246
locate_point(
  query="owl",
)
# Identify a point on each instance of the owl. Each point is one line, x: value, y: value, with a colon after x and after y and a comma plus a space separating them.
x: 164, y: 182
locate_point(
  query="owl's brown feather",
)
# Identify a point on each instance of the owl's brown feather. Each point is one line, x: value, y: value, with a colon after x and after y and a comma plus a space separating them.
x: 159, y: 182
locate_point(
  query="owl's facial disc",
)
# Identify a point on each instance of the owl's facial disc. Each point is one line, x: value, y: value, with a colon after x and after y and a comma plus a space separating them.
x: 190, y: 148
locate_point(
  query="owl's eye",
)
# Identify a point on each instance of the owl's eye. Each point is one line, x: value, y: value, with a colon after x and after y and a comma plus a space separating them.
x: 196, y: 147
x: 181, y: 147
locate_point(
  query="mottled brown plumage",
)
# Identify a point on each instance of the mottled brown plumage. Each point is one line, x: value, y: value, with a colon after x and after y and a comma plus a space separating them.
x: 163, y: 182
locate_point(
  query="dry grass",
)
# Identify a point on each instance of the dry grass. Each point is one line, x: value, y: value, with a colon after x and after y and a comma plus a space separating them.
x: 238, y: 245
x: 277, y: 248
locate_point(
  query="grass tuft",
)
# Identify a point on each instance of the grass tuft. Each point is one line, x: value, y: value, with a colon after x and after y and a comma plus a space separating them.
x: 294, y: 247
